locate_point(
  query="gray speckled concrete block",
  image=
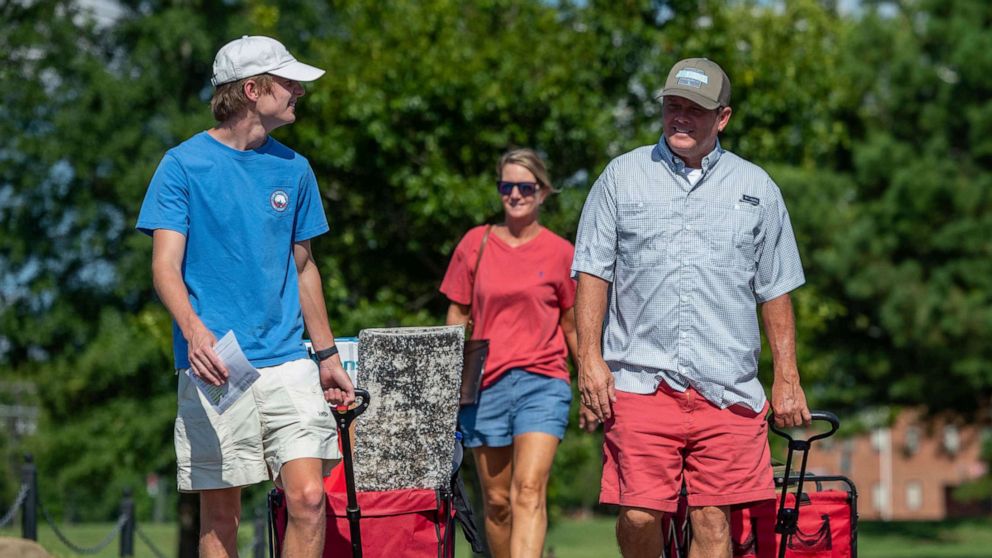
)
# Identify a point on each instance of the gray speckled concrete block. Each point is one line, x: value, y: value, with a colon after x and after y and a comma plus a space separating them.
x: 405, y: 438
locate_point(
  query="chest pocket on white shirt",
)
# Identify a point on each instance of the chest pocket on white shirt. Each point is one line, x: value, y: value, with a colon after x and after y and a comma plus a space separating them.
x: 643, y: 233
x: 731, y: 235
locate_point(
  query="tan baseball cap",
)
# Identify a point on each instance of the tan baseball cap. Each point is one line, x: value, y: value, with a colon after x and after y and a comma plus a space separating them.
x: 701, y: 81
x: 252, y: 56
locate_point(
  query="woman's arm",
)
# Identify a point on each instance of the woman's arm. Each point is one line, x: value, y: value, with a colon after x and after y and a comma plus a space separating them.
x: 567, y: 323
x: 587, y: 419
x: 458, y: 314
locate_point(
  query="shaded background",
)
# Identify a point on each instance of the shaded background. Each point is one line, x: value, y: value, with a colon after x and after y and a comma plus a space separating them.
x: 875, y: 118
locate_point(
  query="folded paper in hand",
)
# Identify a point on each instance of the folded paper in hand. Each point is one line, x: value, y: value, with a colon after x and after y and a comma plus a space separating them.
x: 241, y: 375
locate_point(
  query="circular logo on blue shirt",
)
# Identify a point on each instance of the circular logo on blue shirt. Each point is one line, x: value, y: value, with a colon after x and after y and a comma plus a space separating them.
x: 279, y: 200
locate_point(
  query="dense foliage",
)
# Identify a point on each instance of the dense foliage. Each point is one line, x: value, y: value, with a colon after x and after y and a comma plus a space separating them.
x: 875, y: 123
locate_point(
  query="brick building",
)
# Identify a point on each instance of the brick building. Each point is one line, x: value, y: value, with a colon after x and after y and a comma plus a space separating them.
x: 907, y: 470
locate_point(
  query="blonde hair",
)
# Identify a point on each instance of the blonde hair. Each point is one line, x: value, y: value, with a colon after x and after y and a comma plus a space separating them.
x: 229, y: 99
x: 530, y: 160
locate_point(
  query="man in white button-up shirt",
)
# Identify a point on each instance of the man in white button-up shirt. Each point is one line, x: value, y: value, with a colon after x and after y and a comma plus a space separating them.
x: 678, y: 244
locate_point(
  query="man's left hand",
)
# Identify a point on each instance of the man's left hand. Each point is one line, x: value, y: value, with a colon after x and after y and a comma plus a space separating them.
x: 588, y: 421
x: 336, y: 383
x: 789, y: 404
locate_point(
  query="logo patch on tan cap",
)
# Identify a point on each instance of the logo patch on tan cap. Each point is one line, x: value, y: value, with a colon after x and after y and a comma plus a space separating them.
x: 691, y: 77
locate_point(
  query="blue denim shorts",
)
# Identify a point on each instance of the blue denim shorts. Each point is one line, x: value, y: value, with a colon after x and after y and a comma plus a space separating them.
x: 518, y: 403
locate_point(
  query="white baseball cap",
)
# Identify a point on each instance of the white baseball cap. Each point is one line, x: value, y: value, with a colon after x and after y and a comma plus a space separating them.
x: 251, y: 56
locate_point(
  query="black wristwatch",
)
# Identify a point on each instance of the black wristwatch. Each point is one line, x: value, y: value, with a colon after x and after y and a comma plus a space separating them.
x: 327, y: 353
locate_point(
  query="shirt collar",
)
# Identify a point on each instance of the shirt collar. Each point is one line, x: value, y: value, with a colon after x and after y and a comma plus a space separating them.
x: 678, y: 165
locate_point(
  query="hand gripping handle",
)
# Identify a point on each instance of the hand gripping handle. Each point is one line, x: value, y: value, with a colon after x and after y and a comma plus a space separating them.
x: 344, y: 415
x: 826, y: 416
x: 787, y: 519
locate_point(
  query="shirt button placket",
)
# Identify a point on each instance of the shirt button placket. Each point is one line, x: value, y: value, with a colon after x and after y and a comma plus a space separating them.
x: 684, y: 282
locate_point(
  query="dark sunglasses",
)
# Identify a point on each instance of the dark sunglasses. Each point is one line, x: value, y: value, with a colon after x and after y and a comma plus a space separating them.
x: 526, y: 188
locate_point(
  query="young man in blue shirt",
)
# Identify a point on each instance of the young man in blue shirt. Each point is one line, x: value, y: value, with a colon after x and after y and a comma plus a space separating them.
x: 231, y: 212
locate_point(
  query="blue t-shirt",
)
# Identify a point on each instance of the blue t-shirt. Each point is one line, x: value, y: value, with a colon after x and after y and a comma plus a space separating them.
x: 241, y: 212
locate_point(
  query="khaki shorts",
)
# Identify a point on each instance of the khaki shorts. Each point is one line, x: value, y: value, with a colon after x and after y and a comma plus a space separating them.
x: 283, y: 417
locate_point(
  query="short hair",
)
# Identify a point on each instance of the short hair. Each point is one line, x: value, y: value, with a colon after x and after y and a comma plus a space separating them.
x: 528, y: 159
x: 229, y: 99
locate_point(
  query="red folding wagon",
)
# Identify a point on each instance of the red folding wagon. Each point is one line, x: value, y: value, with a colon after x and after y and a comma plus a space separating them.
x: 826, y: 525
x: 405, y: 523
x: 822, y: 525
x: 394, y: 523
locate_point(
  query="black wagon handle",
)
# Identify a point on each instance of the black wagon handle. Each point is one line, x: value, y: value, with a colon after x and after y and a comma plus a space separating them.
x: 344, y: 415
x: 787, y: 519
x: 825, y: 416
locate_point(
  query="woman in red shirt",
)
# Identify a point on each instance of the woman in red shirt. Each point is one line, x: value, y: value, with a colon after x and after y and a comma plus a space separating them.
x: 520, y: 297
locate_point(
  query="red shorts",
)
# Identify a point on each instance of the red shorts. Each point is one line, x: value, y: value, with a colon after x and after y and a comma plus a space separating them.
x: 652, y: 440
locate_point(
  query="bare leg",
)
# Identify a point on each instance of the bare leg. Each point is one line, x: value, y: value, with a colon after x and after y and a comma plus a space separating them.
x: 220, y: 514
x: 495, y: 469
x: 304, y: 486
x: 710, y: 532
x: 639, y: 532
x: 532, y: 456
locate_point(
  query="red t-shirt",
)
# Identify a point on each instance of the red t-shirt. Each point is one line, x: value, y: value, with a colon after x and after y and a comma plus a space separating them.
x: 519, y: 296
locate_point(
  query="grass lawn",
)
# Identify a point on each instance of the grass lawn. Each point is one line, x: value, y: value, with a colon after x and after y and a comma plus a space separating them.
x: 970, y: 538
x: 162, y: 535
x: 593, y: 538
x: 582, y: 538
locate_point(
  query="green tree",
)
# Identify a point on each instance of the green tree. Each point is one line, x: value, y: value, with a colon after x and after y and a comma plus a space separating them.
x: 912, y: 270
x: 405, y: 135
x: 874, y: 124
x: 93, y: 110
x: 404, y: 152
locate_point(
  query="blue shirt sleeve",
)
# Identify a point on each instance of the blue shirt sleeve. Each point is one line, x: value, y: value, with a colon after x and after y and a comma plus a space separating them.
x: 166, y: 204
x: 310, y: 218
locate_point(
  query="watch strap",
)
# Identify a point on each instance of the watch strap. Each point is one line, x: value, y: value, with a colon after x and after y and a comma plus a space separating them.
x: 327, y: 353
